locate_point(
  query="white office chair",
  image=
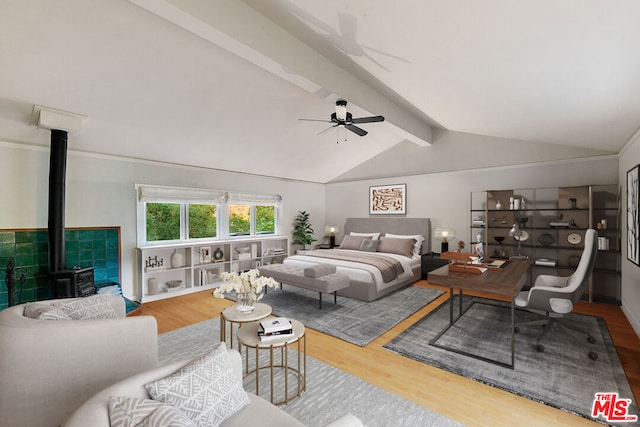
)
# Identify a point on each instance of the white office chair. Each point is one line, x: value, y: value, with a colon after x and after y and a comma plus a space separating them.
x: 553, y: 297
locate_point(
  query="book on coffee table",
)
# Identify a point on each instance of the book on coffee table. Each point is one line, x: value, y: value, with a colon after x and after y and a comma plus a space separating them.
x: 276, y: 324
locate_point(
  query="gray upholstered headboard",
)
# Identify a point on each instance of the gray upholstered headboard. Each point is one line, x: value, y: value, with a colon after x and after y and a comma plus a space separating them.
x: 392, y: 225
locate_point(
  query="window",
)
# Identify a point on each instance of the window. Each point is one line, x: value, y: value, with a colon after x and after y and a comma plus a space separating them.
x: 173, y: 214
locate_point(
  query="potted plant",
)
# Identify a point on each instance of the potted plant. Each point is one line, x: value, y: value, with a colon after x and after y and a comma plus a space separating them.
x: 302, y: 230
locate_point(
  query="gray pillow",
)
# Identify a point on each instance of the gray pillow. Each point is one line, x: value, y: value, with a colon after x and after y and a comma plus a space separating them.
x: 43, y: 311
x: 137, y: 412
x: 369, y: 245
x: 94, y: 307
x: 397, y: 246
x: 352, y: 242
x: 206, y: 389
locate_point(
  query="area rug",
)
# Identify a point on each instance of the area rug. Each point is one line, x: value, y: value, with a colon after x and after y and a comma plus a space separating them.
x: 351, y: 320
x: 563, y: 376
x: 330, y: 394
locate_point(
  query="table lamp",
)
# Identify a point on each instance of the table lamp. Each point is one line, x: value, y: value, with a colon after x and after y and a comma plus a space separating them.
x: 332, y: 230
x: 444, y: 235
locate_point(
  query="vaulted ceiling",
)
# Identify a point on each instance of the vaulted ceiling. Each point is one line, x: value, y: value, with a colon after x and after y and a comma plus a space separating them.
x: 222, y: 83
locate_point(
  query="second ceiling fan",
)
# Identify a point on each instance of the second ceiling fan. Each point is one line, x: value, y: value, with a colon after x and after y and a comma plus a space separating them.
x: 341, y: 117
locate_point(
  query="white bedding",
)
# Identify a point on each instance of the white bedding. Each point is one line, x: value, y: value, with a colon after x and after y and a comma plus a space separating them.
x: 358, y: 271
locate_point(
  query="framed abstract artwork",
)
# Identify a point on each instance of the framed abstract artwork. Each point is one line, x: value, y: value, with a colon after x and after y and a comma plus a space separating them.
x: 388, y: 199
x: 633, y: 220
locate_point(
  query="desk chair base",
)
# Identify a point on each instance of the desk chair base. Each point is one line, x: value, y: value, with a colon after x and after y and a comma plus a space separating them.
x: 548, y: 324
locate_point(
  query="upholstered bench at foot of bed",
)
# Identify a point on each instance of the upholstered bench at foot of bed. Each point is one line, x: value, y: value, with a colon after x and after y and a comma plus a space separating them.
x: 318, y: 277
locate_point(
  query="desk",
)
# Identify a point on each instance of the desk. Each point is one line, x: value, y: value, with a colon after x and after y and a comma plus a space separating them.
x: 506, y: 283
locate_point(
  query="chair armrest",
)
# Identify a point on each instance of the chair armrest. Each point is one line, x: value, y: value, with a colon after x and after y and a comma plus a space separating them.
x: 551, y: 281
x: 540, y: 297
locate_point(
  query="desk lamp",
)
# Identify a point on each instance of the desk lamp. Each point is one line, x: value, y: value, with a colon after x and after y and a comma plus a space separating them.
x: 444, y: 235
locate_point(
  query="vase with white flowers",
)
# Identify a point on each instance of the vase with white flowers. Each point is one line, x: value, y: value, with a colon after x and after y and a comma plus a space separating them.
x: 249, y: 287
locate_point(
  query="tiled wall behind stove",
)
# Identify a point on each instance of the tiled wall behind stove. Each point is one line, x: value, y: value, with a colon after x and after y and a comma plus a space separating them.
x: 84, y: 247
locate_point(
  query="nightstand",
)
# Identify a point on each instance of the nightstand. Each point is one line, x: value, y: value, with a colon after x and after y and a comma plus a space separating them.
x: 431, y: 261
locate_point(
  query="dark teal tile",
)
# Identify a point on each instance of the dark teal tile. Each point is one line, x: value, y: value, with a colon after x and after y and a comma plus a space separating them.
x: 112, y: 243
x: 25, y: 260
x: 99, y: 253
x: 25, y: 249
x: 86, y: 245
x: 85, y: 235
x: 100, y: 234
x: 100, y: 263
x: 7, y: 237
x: 99, y: 244
x: 7, y: 250
x: 113, y: 233
x: 25, y: 236
x: 42, y: 247
x: 42, y: 236
x: 72, y: 235
x: 112, y: 253
x: 73, y: 246
x: 100, y: 274
x: 26, y: 295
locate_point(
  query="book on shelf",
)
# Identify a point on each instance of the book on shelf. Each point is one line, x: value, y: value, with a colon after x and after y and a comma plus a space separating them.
x: 276, y: 324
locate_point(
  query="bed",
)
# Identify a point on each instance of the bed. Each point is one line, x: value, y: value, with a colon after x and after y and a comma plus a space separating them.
x: 367, y: 280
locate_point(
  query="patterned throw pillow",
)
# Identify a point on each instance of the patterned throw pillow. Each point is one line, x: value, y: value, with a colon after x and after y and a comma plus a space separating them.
x: 206, y: 389
x: 93, y: 307
x: 42, y: 311
x: 369, y: 245
x: 135, y: 412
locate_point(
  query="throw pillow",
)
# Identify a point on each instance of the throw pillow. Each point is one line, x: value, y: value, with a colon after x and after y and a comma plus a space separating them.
x: 373, y: 236
x: 369, y: 245
x: 352, y: 242
x: 397, y: 246
x: 206, y: 389
x: 94, y: 307
x: 417, y: 237
x: 43, y: 311
x: 136, y: 412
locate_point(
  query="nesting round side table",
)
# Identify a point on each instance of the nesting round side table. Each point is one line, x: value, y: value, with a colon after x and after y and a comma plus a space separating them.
x: 248, y: 337
x: 233, y: 316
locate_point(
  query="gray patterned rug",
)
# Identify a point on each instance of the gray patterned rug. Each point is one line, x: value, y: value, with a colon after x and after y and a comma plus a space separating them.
x: 563, y: 376
x: 330, y: 392
x: 354, y: 321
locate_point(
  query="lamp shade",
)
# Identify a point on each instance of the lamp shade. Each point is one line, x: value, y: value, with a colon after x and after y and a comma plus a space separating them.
x: 444, y: 234
x: 331, y: 230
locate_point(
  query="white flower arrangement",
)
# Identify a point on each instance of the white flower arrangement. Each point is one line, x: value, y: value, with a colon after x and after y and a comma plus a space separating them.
x: 249, y: 282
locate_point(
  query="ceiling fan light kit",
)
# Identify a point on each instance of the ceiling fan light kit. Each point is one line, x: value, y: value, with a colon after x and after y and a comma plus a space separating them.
x: 341, y: 117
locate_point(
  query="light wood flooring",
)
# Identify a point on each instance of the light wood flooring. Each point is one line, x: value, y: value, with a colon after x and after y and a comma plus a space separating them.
x: 456, y: 397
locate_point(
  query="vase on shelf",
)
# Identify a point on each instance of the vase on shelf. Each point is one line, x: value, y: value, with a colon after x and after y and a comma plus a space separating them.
x: 177, y: 259
x: 498, y: 205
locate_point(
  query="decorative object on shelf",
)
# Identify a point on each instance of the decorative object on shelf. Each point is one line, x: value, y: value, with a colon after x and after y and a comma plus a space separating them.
x: 479, y: 238
x: 517, y: 233
x: 388, y: 199
x: 546, y: 262
x: 574, y: 238
x: 498, y: 205
x: 205, y: 254
x: 173, y: 285
x: 302, y: 230
x: 152, y: 286
x: 249, y: 288
x: 523, y: 237
x: 218, y: 254
x: 558, y: 222
x: 243, y: 250
x: 573, y: 203
x: 546, y: 239
x: 511, y: 205
x: 516, y: 203
x: 633, y: 215
x: 499, y: 252
x: 177, y: 259
x: 444, y: 234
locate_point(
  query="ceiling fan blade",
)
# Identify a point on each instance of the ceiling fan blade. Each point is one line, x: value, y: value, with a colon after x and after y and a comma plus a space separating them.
x: 368, y: 119
x: 356, y: 129
x: 326, y: 130
x: 315, y: 120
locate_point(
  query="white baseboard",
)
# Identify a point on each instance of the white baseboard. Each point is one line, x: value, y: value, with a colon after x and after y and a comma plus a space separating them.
x: 635, y: 323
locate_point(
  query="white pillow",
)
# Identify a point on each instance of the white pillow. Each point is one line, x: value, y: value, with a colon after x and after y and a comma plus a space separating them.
x: 206, y: 389
x: 94, y: 307
x: 372, y: 236
x: 418, y: 238
x: 136, y: 412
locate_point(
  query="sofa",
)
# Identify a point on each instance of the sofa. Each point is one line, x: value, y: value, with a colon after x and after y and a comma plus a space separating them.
x: 48, y: 368
x: 259, y: 412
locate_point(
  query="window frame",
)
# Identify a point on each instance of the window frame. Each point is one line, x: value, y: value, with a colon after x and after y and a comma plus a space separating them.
x: 187, y: 196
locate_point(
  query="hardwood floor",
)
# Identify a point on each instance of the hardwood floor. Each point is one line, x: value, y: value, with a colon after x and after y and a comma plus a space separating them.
x: 456, y: 397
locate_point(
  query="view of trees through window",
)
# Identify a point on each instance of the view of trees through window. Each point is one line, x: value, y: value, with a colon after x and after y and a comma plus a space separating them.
x: 163, y: 220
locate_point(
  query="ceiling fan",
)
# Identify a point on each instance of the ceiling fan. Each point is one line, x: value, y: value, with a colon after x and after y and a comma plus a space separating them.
x: 341, y: 117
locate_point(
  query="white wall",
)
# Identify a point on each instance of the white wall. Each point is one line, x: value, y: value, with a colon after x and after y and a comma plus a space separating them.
x: 100, y: 192
x: 445, y: 197
x: 630, y: 272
